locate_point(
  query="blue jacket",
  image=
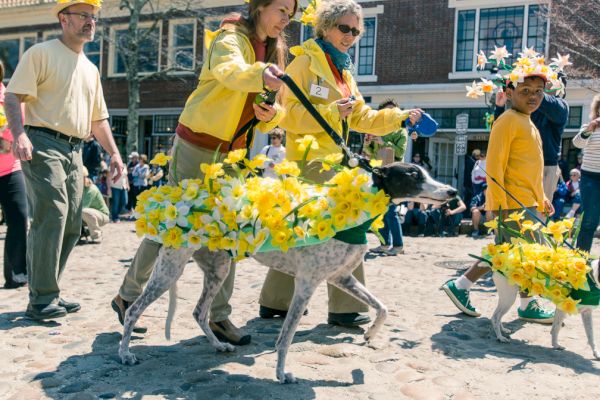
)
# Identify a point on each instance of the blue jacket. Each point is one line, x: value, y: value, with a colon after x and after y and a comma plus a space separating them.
x: 550, y: 119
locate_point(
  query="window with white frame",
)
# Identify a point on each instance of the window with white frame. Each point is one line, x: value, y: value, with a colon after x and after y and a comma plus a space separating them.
x: 182, y: 44
x: 12, y: 49
x: 92, y: 50
x: 362, y: 53
x: 515, y: 27
x: 148, y: 49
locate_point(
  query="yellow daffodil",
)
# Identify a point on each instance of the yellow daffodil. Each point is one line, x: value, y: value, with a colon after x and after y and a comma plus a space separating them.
x: 375, y: 163
x: 160, y: 159
x: 307, y: 141
x: 491, y: 225
x: 515, y: 216
x: 289, y: 168
x: 212, y: 171
x: 235, y: 156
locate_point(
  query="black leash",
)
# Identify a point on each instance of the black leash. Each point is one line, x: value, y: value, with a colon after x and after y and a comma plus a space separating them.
x: 351, y: 159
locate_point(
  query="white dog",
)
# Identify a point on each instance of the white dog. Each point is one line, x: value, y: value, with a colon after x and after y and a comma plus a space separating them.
x: 332, y: 261
x: 507, y: 295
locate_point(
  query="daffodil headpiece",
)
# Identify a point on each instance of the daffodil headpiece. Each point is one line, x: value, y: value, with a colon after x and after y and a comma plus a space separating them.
x: 62, y: 4
x: 529, y: 63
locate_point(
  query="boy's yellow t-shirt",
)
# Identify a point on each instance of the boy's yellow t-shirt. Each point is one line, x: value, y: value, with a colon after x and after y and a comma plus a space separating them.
x: 61, y: 89
x: 516, y: 160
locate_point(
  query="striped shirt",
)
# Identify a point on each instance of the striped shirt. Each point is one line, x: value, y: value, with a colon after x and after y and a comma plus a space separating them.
x: 591, y: 155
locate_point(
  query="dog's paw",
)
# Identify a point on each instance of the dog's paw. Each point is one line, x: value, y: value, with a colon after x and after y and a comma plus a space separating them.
x: 225, y: 347
x: 506, y: 331
x: 597, y: 354
x: 283, y: 377
x: 128, y: 358
x: 503, y: 339
x: 558, y: 347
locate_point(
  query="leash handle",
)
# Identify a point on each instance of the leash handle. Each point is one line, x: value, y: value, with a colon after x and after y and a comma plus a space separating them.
x: 352, y: 159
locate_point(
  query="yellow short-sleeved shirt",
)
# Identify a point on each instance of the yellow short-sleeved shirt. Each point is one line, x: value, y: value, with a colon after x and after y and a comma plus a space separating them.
x: 61, y: 89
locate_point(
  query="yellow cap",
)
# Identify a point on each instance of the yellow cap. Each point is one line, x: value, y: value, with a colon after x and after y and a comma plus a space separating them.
x: 62, y: 4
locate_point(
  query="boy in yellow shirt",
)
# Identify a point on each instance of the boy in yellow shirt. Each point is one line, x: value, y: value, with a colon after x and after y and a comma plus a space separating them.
x: 516, y: 163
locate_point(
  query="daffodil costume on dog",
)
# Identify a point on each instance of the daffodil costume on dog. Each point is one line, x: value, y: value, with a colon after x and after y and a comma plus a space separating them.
x: 244, y: 215
x: 546, y: 267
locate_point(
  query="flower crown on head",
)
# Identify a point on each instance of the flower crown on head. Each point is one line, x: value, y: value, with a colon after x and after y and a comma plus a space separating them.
x: 529, y: 63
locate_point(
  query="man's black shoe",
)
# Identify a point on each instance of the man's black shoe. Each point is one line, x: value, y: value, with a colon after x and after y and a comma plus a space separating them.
x: 45, y: 311
x: 348, y: 319
x: 70, y: 307
x: 268, y: 312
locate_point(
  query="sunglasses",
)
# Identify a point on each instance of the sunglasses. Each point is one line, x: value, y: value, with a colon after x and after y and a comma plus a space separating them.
x: 346, y: 29
x: 83, y: 16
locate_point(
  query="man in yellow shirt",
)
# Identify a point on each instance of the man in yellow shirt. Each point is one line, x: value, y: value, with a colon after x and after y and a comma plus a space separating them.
x: 515, y: 160
x: 64, y: 102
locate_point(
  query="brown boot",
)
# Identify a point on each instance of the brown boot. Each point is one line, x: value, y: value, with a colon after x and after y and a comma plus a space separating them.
x: 120, y: 306
x: 226, y: 331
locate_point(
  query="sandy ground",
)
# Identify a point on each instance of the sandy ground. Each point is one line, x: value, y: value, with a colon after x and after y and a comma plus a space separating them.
x: 427, y: 350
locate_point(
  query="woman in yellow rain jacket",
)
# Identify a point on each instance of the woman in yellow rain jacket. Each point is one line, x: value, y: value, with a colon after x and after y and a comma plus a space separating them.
x: 322, y: 69
x: 244, y: 58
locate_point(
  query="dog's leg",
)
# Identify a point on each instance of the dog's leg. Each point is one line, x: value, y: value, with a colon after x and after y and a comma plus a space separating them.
x: 559, y: 317
x: 507, y: 295
x: 352, y: 286
x: 303, y: 291
x: 168, y: 269
x: 586, y: 317
x: 215, y: 266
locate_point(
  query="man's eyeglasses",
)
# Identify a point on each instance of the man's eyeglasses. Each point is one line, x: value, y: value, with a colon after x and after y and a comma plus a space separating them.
x: 83, y: 16
x: 346, y: 29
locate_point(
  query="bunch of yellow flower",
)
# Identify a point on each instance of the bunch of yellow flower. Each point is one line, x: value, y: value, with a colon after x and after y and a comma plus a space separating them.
x: 309, y: 14
x: 246, y: 215
x: 537, y: 262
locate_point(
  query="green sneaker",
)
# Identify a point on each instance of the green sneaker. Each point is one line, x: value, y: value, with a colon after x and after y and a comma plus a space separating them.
x: 460, y: 298
x: 535, y: 313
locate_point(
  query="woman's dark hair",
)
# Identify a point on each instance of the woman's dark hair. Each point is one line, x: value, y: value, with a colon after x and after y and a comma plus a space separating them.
x: 276, y: 47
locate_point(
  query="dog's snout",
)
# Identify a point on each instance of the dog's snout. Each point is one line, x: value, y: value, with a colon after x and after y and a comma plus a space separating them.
x: 452, y: 192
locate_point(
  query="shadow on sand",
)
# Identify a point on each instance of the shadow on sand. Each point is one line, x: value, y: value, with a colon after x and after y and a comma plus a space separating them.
x: 189, y: 369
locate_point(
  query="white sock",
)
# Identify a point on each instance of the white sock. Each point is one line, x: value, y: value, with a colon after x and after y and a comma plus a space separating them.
x: 525, y: 302
x: 463, y: 283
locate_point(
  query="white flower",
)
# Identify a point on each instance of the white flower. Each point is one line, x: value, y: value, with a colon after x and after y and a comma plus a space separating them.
x: 561, y: 61
x: 529, y: 52
x: 474, y: 91
x: 499, y: 54
x: 481, y: 60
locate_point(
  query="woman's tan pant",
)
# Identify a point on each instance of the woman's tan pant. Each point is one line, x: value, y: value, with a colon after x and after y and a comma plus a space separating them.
x: 278, y: 289
x: 184, y: 165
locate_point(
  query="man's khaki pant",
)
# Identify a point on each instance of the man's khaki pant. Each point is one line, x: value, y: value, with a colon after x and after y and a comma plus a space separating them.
x: 551, y: 174
x: 54, y: 181
x: 94, y: 219
x: 184, y: 165
x: 278, y: 289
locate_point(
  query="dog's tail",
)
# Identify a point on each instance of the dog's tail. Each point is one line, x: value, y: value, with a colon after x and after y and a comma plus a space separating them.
x: 172, y: 309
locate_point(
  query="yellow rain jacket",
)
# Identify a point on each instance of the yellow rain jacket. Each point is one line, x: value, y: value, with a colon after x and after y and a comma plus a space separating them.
x: 310, y: 67
x: 229, y: 73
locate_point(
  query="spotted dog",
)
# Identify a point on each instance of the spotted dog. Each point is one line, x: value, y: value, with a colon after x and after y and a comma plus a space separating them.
x: 332, y: 261
x: 507, y: 295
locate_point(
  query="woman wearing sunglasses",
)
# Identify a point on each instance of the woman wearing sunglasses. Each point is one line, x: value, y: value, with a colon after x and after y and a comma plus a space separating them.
x: 323, y: 70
